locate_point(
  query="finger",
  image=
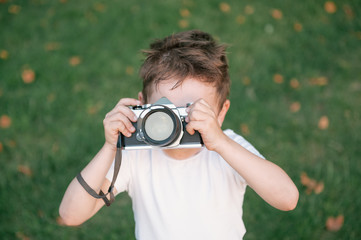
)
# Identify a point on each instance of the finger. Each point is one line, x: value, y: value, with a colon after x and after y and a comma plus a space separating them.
x: 199, y: 115
x: 202, y: 106
x: 123, y: 110
x: 119, y: 126
x: 129, y: 102
x: 122, y: 118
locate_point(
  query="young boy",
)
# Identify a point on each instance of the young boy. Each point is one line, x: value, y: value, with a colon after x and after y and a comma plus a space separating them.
x: 182, y: 193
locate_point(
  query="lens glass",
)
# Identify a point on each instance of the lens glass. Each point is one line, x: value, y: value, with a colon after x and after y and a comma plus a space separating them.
x: 159, y: 126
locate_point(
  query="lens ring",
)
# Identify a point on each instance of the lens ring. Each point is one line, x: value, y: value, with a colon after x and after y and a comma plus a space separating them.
x: 172, y: 136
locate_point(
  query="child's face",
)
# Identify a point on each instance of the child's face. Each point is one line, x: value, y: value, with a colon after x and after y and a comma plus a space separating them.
x: 189, y: 91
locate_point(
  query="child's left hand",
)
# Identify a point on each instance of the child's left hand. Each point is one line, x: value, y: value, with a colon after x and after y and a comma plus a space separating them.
x: 202, y: 118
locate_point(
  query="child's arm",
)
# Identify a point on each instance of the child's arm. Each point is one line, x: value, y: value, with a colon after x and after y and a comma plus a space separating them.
x: 264, y: 177
x: 77, y: 205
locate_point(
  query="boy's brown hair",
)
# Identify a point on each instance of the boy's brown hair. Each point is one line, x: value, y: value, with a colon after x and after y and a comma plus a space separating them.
x: 186, y: 54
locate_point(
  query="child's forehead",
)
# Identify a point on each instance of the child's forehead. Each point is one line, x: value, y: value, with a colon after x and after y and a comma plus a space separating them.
x: 188, y: 91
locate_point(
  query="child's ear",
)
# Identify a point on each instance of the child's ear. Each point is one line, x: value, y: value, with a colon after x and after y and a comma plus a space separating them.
x: 223, y: 112
x: 140, y: 97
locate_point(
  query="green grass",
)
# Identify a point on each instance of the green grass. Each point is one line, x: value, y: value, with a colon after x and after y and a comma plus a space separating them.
x: 56, y: 121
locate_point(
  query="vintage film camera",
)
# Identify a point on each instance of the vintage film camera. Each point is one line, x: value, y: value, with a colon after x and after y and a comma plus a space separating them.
x: 160, y: 125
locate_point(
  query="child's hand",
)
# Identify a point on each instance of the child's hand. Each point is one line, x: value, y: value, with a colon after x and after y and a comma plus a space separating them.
x: 119, y: 120
x: 202, y: 118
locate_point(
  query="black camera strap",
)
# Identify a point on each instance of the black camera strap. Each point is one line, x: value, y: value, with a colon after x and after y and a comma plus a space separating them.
x: 102, y: 195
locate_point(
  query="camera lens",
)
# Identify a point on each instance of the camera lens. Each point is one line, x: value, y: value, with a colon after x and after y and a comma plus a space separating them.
x: 159, y: 126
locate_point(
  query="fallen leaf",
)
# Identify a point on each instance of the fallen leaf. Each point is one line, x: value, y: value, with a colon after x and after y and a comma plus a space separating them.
x: 99, y: 7
x: 245, y: 129
x: 183, y: 23
x: 249, y: 10
x: 294, y: 83
x: 298, y: 27
x: 330, y: 7
x: 295, y: 107
x: 319, y: 81
x: 311, y: 184
x: 1, y: 147
x: 14, y: 9
x: 51, y: 46
x: 22, y: 236
x: 4, y: 54
x: 129, y: 70
x: 224, y: 7
x: 323, y: 123
x: 319, y: 187
x: 51, y: 97
x: 246, y: 81
x: 278, y: 78
x: 184, y: 12
x: 5, y: 121
x: 335, y: 223
x: 240, y: 19
x: 25, y: 170
x: 74, y: 61
x: 276, y: 14
x: 11, y: 143
x: 28, y: 75
x: 95, y: 108
x: 348, y: 11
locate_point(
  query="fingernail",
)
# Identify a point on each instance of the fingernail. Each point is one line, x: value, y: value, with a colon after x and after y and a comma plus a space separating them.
x: 132, y: 128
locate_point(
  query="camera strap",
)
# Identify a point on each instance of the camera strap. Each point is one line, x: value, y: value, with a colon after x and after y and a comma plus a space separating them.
x: 102, y: 195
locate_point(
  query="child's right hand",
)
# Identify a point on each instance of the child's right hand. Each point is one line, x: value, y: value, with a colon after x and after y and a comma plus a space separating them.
x: 119, y: 120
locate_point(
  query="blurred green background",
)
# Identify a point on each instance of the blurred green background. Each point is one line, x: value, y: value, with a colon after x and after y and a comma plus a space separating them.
x: 296, y: 96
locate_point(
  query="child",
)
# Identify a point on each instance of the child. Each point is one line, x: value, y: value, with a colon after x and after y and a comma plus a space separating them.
x: 182, y: 193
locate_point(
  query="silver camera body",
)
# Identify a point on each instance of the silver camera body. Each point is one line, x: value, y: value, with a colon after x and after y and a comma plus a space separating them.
x: 162, y: 125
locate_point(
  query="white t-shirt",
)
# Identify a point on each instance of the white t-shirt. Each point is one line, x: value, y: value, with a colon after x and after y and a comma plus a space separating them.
x: 197, y: 198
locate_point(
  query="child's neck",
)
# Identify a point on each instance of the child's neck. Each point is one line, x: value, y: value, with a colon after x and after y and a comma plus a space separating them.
x: 181, y: 154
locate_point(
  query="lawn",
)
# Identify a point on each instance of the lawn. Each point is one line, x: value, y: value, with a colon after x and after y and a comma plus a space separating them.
x: 295, y: 95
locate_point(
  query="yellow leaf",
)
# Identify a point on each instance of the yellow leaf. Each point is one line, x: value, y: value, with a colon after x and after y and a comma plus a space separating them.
x: 294, y: 83
x: 246, y: 81
x: 184, y: 12
x: 240, y: 19
x: 224, y: 7
x: 51, y: 46
x: 14, y: 9
x: 28, y: 75
x: 74, y: 61
x: 323, y: 123
x: 129, y: 70
x: 335, y: 223
x: 319, y: 81
x: 348, y: 11
x: 245, y: 129
x: 278, y: 78
x: 183, y: 23
x: 297, y: 26
x: 25, y: 170
x: 330, y: 7
x: 5, y: 121
x: 276, y: 14
x: 249, y: 10
x: 4, y: 54
x: 295, y: 107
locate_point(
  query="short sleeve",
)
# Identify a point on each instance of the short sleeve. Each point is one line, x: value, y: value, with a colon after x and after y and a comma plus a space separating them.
x: 123, y: 179
x: 243, y: 142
